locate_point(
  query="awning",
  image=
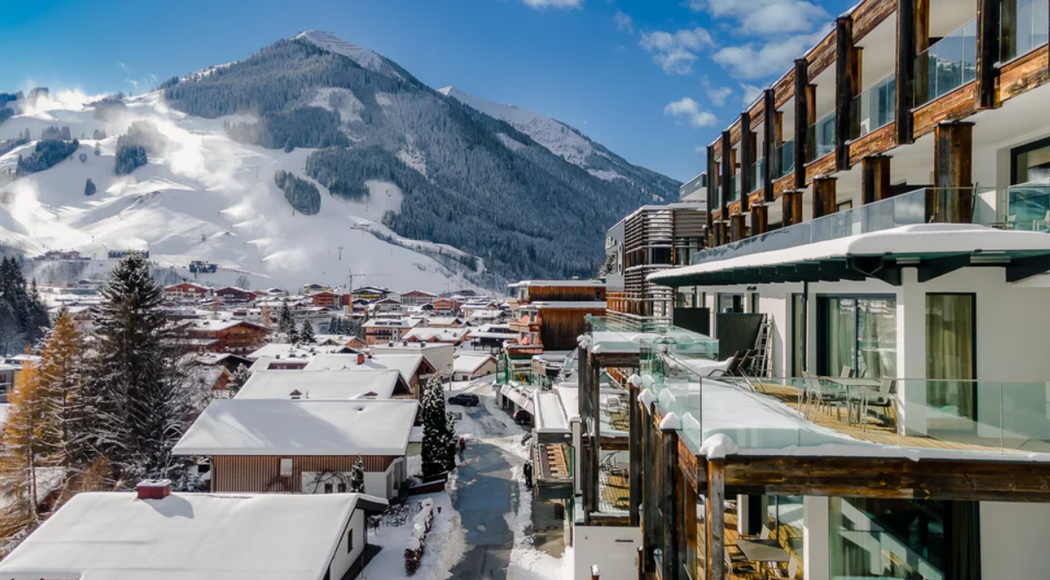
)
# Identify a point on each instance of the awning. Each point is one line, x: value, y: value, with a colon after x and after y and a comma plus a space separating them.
x: 934, y: 249
x: 522, y: 400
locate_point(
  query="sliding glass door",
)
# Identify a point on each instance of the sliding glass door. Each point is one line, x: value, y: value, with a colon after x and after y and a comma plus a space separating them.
x: 951, y: 354
x: 858, y: 335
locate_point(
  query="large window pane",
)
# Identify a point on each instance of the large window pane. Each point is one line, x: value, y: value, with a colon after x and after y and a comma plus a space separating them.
x: 876, y: 338
x: 887, y: 538
x: 840, y: 334
x: 950, y: 353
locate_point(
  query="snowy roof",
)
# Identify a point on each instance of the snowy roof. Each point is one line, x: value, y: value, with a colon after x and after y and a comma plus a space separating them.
x: 394, y: 323
x: 327, y: 384
x: 904, y: 241
x: 550, y: 413
x: 557, y: 283
x: 279, y: 427
x: 444, y: 320
x: 191, y: 536
x: 220, y: 325
x: 469, y: 362
x: 439, y: 334
x: 285, y: 350
x: 405, y: 363
x: 567, y: 305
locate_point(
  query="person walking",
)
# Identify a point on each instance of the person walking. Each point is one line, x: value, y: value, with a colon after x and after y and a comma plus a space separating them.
x: 527, y: 471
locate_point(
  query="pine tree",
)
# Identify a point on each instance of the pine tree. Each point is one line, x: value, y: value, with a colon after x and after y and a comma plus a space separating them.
x: 285, y: 323
x: 240, y: 376
x: 357, y: 476
x: 439, y: 436
x: 136, y: 393
x: 306, y: 334
x: 23, y: 316
x: 89, y: 187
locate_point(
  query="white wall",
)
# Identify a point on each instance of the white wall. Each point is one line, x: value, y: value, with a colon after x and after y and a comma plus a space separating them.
x: 613, y: 549
x: 343, y: 558
x: 816, y: 538
x: 1014, y: 540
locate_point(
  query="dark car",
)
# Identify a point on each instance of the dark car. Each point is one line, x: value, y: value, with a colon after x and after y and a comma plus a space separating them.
x: 465, y: 399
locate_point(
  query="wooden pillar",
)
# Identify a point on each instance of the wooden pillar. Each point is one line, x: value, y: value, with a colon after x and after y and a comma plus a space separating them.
x: 737, y: 227
x: 907, y: 41
x: 845, y: 88
x: 669, y: 499
x: 721, y: 233
x: 712, y: 183
x: 802, y: 120
x: 726, y: 173
x: 953, y: 174
x: 759, y: 219
x: 988, y: 29
x: 823, y: 196
x: 650, y: 493
x: 716, y: 520
x: 634, y: 454
x: 585, y: 441
x: 594, y: 366
x: 792, y: 201
x: 874, y: 179
x: 769, y: 143
x: 747, y: 158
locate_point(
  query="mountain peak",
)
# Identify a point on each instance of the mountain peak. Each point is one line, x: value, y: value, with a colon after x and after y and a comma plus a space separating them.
x: 362, y: 56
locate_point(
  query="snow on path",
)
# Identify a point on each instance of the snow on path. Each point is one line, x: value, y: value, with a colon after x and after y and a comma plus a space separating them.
x: 446, y: 543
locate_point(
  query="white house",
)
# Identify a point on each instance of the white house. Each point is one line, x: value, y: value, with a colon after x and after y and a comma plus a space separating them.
x: 197, y: 536
x: 325, y: 384
x: 469, y: 366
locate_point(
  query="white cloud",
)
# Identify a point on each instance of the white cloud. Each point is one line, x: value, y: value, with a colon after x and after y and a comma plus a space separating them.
x: 541, y: 4
x: 675, y: 52
x: 751, y: 93
x: 755, y: 61
x: 717, y: 95
x: 756, y: 17
x: 689, y: 110
x: 134, y: 83
x: 623, y: 22
x: 123, y: 67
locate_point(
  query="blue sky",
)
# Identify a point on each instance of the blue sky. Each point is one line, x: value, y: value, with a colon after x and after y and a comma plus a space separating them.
x: 654, y: 80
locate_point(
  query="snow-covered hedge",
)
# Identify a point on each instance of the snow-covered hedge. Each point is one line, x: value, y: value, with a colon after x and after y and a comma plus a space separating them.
x: 418, y: 540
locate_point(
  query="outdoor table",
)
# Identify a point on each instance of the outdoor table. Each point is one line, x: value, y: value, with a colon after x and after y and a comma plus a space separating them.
x: 766, y: 552
x: 852, y: 384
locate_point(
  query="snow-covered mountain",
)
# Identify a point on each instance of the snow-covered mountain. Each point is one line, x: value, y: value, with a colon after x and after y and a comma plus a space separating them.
x: 568, y: 143
x: 380, y: 176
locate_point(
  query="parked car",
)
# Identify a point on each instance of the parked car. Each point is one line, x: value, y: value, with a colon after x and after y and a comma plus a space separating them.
x: 465, y: 399
x: 522, y: 417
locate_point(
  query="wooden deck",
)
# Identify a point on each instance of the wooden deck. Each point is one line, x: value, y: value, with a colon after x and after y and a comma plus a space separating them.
x: 880, y: 426
x: 615, y: 489
x: 732, y: 535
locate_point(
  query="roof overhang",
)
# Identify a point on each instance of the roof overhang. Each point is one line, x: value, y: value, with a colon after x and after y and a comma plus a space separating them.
x: 933, y: 249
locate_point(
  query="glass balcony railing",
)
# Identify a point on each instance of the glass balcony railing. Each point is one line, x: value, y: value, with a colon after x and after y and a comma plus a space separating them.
x: 716, y: 196
x: 1019, y: 207
x: 755, y: 171
x: 736, y: 188
x: 1025, y: 26
x: 874, y: 108
x: 784, y: 156
x: 820, y: 137
x: 947, y: 65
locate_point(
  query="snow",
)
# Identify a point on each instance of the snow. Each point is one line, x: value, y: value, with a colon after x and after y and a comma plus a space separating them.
x: 411, y: 156
x: 550, y: 414
x: 326, y: 384
x: 609, y: 175
x: 510, y: 143
x: 904, y: 240
x: 568, y: 305
x: 438, y: 334
x: 342, y: 101
x: 446, y: 543
x: 670, y: 422
x: 555, y: 136
x: 647, y: 398
x: 362, y: 56
x: 468, y: 362
x: 207, y: 198
x: 280, y: 427
x: 718, y: 446
x: 115, y: 536
x: 405, y: 363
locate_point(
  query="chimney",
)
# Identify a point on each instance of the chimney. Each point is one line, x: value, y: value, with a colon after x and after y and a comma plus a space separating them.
x: 154, y: 488
x: 360, y: 358
x: 295, y: 395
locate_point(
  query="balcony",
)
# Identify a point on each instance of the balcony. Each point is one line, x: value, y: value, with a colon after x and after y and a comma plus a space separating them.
x: 1024, y: 27
x: 736, y: 187
x: 874, y: 108
x: 820, y: 137
x: 1020, y: 207
x: 784, y: 158
x: 755, y: 171
x: 946, y: 65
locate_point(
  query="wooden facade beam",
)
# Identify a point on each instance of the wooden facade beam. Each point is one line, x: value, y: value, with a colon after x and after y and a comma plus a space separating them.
x: 846, y: 84
x: 874, y: 179
x: 737, y: 227
x: 906, y: 51
x: 747, y: 157
x: 801, y: 121
x: 988, y: 30
x: 792, y: 204
x: 716, y: 516
x: 770, y: 133
x: 726, y: 182
x: 669, y: 499
x: 712, y: 183
x: 952, y: 174
x: 759, y: 220
x: 824, y: 202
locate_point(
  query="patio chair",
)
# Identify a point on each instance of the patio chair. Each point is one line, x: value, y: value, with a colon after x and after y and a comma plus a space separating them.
x: 883, y: 398
x: 792, y: 570
x: 819, y: 396
x: 847, y: 372
x: 739, y: 567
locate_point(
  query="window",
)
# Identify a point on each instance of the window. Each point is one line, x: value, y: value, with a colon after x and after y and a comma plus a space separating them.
x: 859, y: 333
x: 798, y: 335
x: 950, y: 354
x: 286, y: 467
x: 328, y: 487
x: 731, y: 303
x: 341, y: 488
x: 349, y: 541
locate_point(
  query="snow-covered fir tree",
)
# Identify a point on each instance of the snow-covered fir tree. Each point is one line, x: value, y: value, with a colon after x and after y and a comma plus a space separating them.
x: 239, y: 377
x: 306, y: 333
x: 286, y: 325
x: 135, y: 390
x: 357, y: 476
x: 439, y: 435
x: 23, y: 316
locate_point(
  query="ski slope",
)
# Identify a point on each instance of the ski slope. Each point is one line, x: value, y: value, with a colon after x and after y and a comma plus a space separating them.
x: 207, y: 198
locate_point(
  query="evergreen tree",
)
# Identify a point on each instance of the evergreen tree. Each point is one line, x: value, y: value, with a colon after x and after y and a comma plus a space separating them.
x: 306, y: 334
x: 240, y: 376
x: 135, y: 390
x: 439, y: 436
x: 285, y: 323
x: 23, y: 316
x: 89, y: 187
x: 357, y: 476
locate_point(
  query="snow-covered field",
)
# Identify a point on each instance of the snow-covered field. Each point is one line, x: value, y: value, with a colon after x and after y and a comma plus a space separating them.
x: 206, y: 198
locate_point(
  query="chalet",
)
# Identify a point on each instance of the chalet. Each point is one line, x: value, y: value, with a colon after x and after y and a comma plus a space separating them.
x: 153, y: 534
x: 234, y: 295
x: 232, y: 336
x: 415, y: 369
x: 382, y: 331
x: 371, y: 293
x: 439, y: 355
x: 315, y: 288
x: 417, y: 298
x: 356, y: 383
x: 302, y: 446
x: 436, y: 335
x: 324, y: 299
x: 470, y: 366
x: 387, y: 305
x: 445, y: 307
x: 186, y: 292
x: 349, y: 341
x: 549, y: 314
x: 444, y: 322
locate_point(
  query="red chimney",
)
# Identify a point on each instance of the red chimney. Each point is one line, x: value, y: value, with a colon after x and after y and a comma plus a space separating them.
x: 154, y: 488
x: 360, y: 358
